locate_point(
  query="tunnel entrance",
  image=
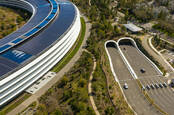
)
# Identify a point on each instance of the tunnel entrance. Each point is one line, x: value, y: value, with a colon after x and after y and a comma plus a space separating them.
x: 125, y: 42
x: 111, y: 44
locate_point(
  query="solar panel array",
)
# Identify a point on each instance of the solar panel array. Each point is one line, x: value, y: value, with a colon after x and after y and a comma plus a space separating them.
x: 34, y: 30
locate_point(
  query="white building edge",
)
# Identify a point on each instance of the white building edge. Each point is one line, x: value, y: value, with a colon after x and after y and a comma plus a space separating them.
x: 18, y: 81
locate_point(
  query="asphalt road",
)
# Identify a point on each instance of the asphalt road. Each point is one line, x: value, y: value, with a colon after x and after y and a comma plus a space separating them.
x: 146, y: 45
x: 133, y: 94
x: 163, y: 97
x: 138, y: 61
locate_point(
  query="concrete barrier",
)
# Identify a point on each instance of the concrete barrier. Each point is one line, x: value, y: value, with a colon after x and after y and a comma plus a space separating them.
x: 126, y: 62
x: 114, y: 74
x: 135, y: 45
x: 150, y: 43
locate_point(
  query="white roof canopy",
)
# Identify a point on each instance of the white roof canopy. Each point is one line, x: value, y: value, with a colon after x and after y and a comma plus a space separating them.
x: 133, y: 27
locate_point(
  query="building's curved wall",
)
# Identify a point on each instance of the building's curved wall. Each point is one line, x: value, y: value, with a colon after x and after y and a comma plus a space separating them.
x: 23, y: 78
x: 35, y: 29
x: 37, y: 15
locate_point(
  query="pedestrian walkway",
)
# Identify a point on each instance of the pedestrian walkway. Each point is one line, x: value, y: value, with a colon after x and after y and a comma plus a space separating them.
x: 90, y: 88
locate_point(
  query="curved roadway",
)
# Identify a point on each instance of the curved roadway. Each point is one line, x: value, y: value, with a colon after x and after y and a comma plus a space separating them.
x: 163, y: 97
x: 133, y: 94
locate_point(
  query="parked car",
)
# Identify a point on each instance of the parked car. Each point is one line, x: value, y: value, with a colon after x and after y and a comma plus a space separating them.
x: 125, y: 86
x: 143, y: 88
x: 142, y: 70
x: 156, y: 85
x: 152, y: 86
x: 164, y: 84
x: 160, y: 85
x: 148, y: 87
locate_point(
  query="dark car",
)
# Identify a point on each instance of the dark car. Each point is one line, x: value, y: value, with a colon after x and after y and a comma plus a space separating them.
x: 148, y: 87
x: 160, y: 85
x: 164, y: 84
x: 142, y: 70
x: 152, y: 86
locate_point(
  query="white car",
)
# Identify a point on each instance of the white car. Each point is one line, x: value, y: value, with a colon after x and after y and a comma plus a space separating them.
x: 125, y: 86
x: 143, y: 88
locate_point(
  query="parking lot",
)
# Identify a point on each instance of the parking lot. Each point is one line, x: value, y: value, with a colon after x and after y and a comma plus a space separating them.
x: 134, y: 95
x: 162, y: 96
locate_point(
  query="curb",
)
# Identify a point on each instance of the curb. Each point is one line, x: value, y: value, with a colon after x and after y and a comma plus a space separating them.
x: 134, y: 43
x: 157, y: 69
x: 150, y: 43
x: 126, y: 61
x: 114, y: 74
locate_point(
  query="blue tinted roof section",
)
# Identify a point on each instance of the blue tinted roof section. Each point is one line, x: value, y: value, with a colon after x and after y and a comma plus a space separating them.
x: 53, y: 32
x: 36, y: 29
x: 18, y: 40
x: 4, y: 47
x: 10, y: 56
x: 6, y: 65
x: 16, y: 56
x: 43, y: 24
x: 31, y: 32
x: 51, y: 16
x: 45, y: 5
x: 22, y: 52
x: 41, y: 14
x: 54, y: 10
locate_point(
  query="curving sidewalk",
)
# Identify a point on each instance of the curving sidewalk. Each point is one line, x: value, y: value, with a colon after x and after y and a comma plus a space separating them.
x: 157, y: 55
x: 90, y: 84
x: 150, y: 43
x: 89, y: 2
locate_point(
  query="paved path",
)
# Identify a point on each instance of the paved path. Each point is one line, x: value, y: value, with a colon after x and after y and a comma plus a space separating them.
x: 170, y: 41
x: 90, y: 88
x: 59, y: 75
x: 154, y: 54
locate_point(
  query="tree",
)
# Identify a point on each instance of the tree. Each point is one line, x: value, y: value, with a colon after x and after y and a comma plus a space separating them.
x: 82, y: 82
x: 56, y: 112
x: 41, y: 110
x: 157, y: 40
x: 64, y: 81
x: 109, y: 111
